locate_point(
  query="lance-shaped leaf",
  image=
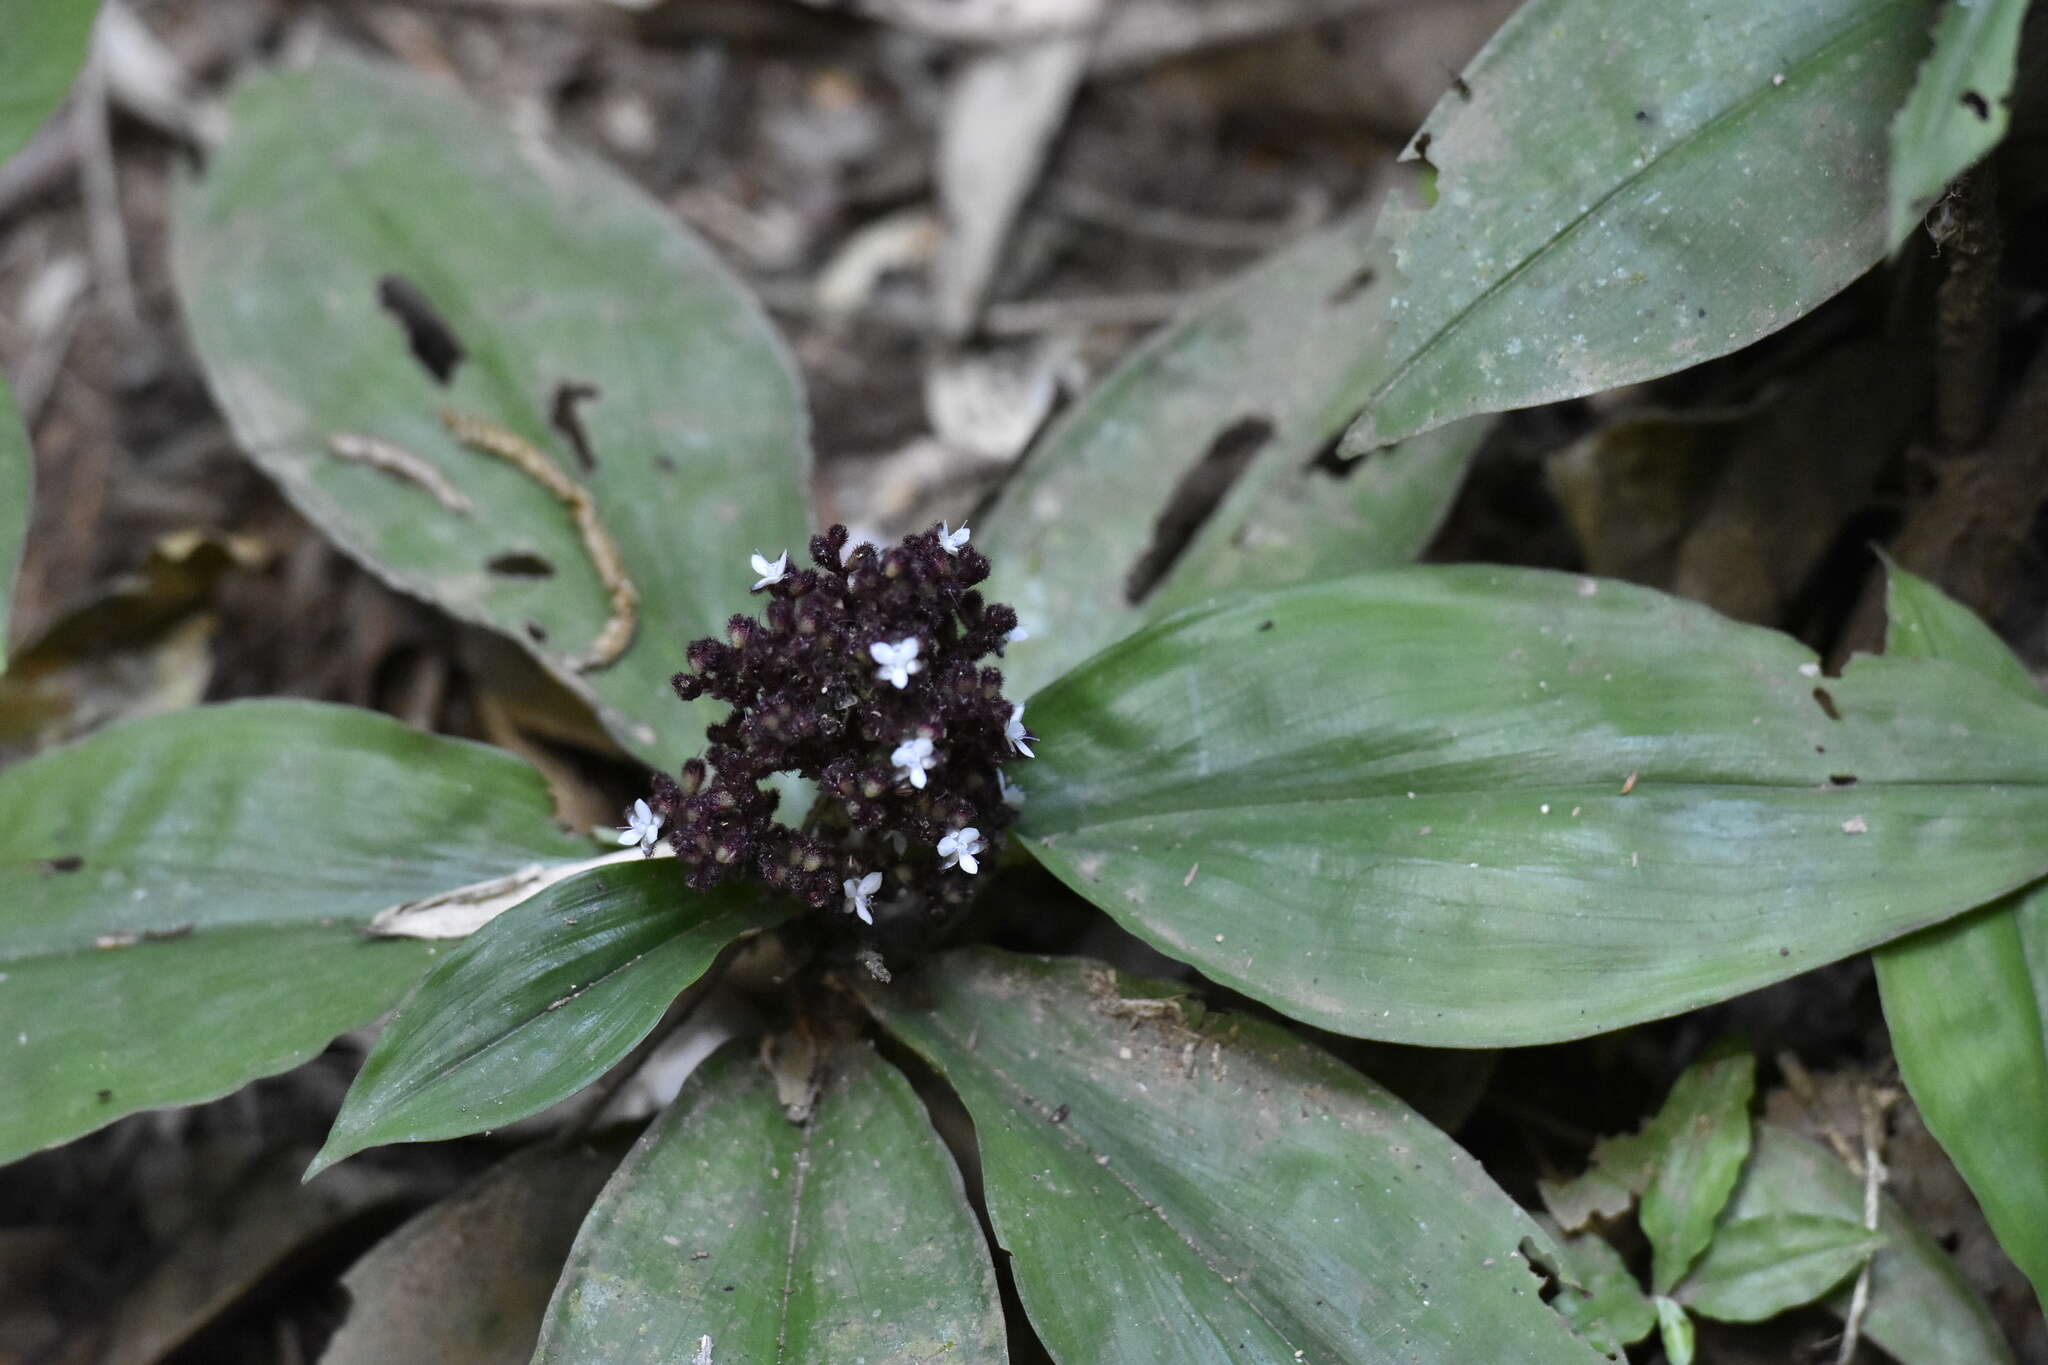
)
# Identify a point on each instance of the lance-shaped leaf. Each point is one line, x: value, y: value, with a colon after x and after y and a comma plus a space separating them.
x: 1921, y: 1310
x: 1624, y: 190
x: 363, y: 253
x: 1175, y: 1185
x: 1966, y: 1001
x: 46, y: 44
x: 1756, y: 1268
x: 17, y: 480
x: 1704, y: 1129
x: 846, y: 1237
x: 539, y: 1003
x: 1250, y: 382
x: 182, y: 898
x: 1675, y: 1330
x: 1959, y: 107
x: 1472, y: 806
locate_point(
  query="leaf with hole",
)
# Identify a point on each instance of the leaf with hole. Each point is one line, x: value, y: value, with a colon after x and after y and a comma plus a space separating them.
x: 847, y: 1237
x: 1921, y: 1309
x: 1188, y: 469
x: 1757, y: 1268
x: 202, y: 878
x: 1472, y: 806
x: 1959, y: 107
x: 539, y: 1003
x: 1717, y: 173
x: 46, y: 45
x: 1703, y: 1130
x: 363, y: 254
x: 1966, y: 1001
x: 1188, y: 1186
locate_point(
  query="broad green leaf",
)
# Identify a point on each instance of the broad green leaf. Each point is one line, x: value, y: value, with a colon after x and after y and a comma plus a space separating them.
x: 17, y: 481
x: 1966, y: 1001
x: 538, y: 1003
x: 1675, y: 1330
x: 1623, y: 190
x: 845, y: 1238
x: 549, y: 269
x: 1189, y: 1186
x: 1470, y: 806
x: 44, y: 46
x: 1921, y: 1310
x: 1756, y: 1268
x: 202, y: 878
x: 1601, y: 1300
x: 1959, y: 107
x: 1265, y: 365
x: 466, y: 1282
x: 1704, y: 1128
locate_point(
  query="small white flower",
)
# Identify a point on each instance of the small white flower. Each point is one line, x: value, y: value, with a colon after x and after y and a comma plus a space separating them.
x: 959, y: 848
x: 643, y: 827
x: 771, y: 573
x: 1013, y: 730
x: 860, y: 894
x: 1018, y: 635
x: 1010, y: 791
x: 914, y: 758
x: 898, y: 661
x: 951, y: 541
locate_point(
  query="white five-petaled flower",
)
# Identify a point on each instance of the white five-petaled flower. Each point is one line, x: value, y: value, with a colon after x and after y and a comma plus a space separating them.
x: 643, y: 827
x: 860, y: 894
x: 959, y: 848
x: 771, y: 571
x: 950, y: 540
x: 1008, y: 790
x: 914, y: 758
x: 898, y: 661
x: 1013, y: 730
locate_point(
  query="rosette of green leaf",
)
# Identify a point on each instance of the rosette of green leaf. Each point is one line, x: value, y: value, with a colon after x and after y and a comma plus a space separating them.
x: 1965, y: 1002
x: 539, y: 1003
x: 1472, y: 806
x: 845, y: 1237
x: 182, y: 898
x: 1183, y: 1185
x: 46, y: 44
x: 1757, y: 1268
x: 1921, y: 1308
x: 1715, y: 174
x: 1959, y: 108
x: 518, y: 268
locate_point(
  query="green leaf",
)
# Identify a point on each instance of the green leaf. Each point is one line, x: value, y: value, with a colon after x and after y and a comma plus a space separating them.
x: 549, y: 269
x: 539, y: 1003
x: 1921, y: 1309
x: 1716, y: 173
x: 844, y: 1238
x: 1189, y: 1186
x: 1756, y: 1268
x: 1966, y: 1001
x: 1674, y: 1328
x: 1235, y: 786
x: 45, y: 46
x: 1267, y: 364
x: 1601, y: 1299
x: 1704, y: 1130
x: 1959, y: 107
x: 17, y: 482
x: 201, y: 878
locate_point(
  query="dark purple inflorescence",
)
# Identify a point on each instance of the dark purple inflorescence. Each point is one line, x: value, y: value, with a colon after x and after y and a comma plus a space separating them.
x: 864, y: 675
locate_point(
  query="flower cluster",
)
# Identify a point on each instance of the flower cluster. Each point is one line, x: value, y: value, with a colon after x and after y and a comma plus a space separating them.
x: 863, y: 674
